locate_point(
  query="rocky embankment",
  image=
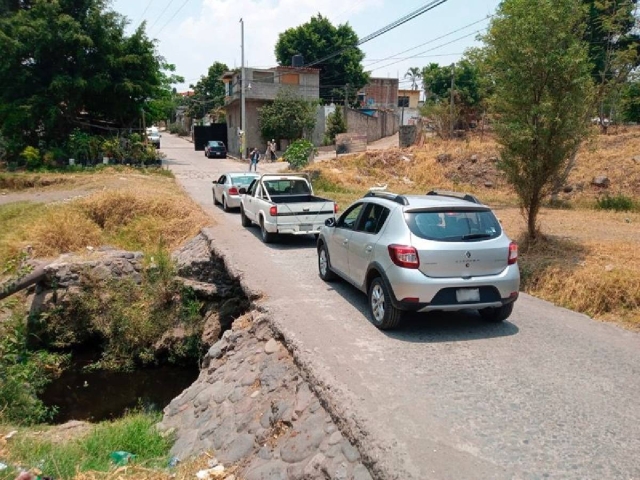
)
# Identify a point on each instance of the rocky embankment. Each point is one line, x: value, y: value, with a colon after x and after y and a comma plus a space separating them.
x: 252, y: 407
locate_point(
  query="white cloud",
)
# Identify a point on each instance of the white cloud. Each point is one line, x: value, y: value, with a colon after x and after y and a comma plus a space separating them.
x: 196, y: 42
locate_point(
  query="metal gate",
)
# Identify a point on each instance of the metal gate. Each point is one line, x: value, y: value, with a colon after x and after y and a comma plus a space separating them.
x: 202, y: 134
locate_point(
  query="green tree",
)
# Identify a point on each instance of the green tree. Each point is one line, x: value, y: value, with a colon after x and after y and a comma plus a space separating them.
x: 413, y: 74
x: 335, y: 124
x: 318, y: 39
x: 208, y: 92
x: 289, y: 116
x: 61, y: 58
x: 540, y: 68
x: 631, y: 101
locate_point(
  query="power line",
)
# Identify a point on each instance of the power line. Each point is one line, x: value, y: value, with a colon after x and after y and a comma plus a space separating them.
x: 141, y: 17
x: 416, y: 13
x: 419, y: 55
x: 431, y: 41
x: 173, y: 16
x: 161, y: 14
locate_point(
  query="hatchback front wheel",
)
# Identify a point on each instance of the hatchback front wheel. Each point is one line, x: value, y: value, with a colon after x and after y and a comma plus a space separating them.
x: 381, y: 310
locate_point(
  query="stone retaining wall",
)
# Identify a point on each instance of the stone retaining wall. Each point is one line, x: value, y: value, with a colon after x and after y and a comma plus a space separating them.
x: 250, y: 407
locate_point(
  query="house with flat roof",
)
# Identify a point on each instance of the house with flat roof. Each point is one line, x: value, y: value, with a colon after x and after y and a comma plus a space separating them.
x: 261, y: 86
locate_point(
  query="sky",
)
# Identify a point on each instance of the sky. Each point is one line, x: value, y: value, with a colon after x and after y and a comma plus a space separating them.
x: 193, y: 34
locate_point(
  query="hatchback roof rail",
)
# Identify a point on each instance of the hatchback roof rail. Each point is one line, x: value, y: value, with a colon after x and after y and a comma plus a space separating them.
x: 462, y: 196
x: 401, y: 199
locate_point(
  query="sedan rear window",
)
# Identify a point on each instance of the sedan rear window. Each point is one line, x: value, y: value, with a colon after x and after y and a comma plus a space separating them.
x: 454, y: 226
x: 242, y: 179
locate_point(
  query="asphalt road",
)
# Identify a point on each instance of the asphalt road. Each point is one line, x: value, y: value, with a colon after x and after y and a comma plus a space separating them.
x: 548, y: 394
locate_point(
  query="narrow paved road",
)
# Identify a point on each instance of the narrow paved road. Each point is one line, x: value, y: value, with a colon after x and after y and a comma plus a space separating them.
x: 549, y: 394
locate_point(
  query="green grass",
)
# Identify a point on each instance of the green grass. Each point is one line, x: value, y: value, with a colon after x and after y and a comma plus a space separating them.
x: 135, y: 433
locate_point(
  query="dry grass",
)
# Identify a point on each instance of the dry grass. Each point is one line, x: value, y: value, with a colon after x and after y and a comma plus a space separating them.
x: 588, y: 260
x: 135, y: 212
x: 24, y: 181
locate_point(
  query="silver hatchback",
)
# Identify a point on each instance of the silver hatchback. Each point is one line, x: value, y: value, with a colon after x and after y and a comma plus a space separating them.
x: 439, y: 251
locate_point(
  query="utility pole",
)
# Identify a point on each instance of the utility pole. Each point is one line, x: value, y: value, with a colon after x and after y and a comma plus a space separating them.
x: 453, y: 83
x: 243, y: 121
x: 345, y: 115
x: 144, y: 128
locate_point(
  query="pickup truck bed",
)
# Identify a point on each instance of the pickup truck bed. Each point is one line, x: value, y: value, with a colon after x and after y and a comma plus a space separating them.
x: 278, y: 199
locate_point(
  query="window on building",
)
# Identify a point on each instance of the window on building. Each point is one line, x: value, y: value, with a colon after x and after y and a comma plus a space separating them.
x: 403, y: 101
x: 263, y: 77
x: 290, y: 79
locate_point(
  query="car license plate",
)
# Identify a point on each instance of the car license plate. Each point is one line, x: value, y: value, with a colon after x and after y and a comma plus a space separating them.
x: 466, y: 295
x: 306, y: 228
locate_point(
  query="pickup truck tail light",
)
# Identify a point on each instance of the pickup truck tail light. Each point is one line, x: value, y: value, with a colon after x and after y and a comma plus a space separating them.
x: 233, y: 191
x: 404, y: 256
x: 513, y: 253
x: 273, y: 211
x: 335, y: 208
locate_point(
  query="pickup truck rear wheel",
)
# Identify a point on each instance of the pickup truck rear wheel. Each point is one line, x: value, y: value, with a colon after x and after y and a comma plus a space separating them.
x: 244, y: 219
x: 324, y: 267
x: 381, y: 310
x: 267, y: 237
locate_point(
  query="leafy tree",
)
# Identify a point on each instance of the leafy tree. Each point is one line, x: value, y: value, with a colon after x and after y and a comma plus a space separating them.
x: 631, y: 101
x: 543, y: 91
x: 208, y: 92
x: 318, y: 39
x: 413, y: 74
x: 61, y: 59
x: 335, y: 124
x: 289, y: 116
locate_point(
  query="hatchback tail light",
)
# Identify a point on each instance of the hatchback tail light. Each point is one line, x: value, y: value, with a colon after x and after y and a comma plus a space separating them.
x: 233, y: 191
x: 513, y: 253
x: 273, y: 211
x: 404, y: 256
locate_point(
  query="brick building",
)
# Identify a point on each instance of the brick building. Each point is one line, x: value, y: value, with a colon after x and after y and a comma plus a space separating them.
x: 379, y: 93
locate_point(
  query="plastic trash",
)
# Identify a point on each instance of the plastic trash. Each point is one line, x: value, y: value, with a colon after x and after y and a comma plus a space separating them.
x: 173, y: 461
x: 3, y: 466
x: 215, y: 472
x: 121, y: 458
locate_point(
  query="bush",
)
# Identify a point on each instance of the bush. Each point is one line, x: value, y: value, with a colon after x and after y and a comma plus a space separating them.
x: 23, y: 375
x: 299, y: 153
x: 619, y: 203
x: 335, y: 124
x: 31, y: 158
x: 178, y: 129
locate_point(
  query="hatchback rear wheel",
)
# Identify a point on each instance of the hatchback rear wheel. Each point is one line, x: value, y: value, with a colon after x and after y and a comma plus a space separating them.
x: 381, y: 310
x: 496, y: 315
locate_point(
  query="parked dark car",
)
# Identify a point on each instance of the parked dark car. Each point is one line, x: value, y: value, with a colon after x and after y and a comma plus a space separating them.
x: 215, y: 148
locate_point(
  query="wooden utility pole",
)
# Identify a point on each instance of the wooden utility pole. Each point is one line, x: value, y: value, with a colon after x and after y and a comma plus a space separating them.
x: 144, y: 127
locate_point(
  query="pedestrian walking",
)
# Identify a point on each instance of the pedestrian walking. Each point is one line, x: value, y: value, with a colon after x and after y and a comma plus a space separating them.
x: 272, y: 151
x: 254, y: 158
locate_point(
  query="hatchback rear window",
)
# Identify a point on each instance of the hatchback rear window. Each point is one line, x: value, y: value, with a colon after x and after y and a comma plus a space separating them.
x: 454, y: 226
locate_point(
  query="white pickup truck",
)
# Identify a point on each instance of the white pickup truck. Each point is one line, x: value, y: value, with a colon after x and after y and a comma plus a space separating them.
x: 284, y: 204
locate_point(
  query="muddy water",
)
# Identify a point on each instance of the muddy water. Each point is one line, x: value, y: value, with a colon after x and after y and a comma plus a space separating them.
x: 105, y: 395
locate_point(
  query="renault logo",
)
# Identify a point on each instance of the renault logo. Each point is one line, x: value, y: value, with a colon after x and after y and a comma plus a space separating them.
x: 468, y: 254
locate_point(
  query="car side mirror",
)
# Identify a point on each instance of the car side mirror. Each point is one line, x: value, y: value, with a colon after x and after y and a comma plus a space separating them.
x: 330, y: 222
x: 242, y: 191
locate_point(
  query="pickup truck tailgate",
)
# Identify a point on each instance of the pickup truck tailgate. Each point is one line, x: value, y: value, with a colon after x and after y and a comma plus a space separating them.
x: 304, y: 217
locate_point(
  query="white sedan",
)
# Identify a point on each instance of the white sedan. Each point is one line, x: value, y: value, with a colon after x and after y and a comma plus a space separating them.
x: 225, y: 189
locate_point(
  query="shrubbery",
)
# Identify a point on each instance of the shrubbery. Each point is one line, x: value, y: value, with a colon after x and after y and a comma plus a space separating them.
x: 86, y: 149
x: 619, y: 203
x: 177, y: 129
x: 299, y: 153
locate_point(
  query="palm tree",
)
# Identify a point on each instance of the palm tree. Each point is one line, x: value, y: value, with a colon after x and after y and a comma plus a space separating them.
x: 414, y: 75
